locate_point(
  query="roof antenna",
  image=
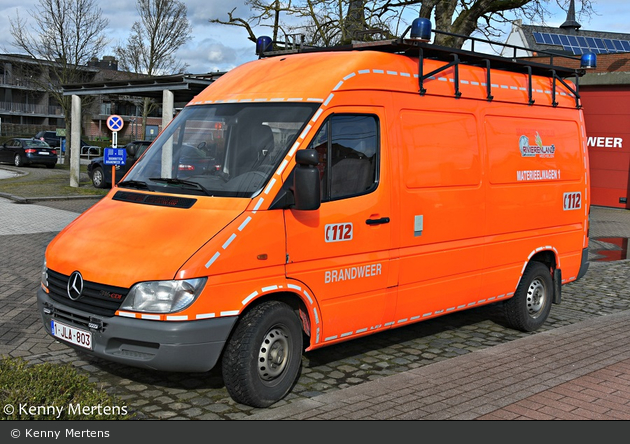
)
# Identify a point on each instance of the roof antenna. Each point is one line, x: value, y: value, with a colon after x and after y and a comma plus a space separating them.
x: 570, y: 22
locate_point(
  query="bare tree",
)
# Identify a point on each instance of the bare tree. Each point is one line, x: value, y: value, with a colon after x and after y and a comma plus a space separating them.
x: 331, y: 22
x: 466, y: 17
x: 66, y: 35
x: 264, y: 14
x: 150, y: 49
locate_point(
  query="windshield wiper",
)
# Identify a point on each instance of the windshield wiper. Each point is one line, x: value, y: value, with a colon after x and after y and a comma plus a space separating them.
x: 134, y: 184
x: 186, y: 183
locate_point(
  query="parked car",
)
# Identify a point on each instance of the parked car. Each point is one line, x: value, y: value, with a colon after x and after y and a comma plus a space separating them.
x: 24, y: 151
x: 101, y: 174
x: 52, y: 139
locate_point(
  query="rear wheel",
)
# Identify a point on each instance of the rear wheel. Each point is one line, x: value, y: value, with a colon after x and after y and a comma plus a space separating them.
x: 98, y: 178
x: 262, y: 359
x: 529, y: 308
x: 17, y: 160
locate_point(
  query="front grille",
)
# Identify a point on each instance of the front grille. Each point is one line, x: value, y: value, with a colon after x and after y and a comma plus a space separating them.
x: 77, y: 320
x: 96, y: 298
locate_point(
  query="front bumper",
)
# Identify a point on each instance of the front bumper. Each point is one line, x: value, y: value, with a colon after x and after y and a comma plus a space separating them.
x: 191, y: 346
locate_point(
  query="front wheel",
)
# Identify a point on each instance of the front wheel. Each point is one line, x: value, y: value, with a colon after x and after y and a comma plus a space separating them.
x: 529, y: 308
x: 98, y: 178
x: 262, y: 358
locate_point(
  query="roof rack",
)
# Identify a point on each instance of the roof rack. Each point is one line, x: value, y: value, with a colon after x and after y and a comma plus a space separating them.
x: 418, y: 46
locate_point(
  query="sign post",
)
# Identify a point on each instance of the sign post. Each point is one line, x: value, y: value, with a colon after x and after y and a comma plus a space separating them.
x: 115, y: 156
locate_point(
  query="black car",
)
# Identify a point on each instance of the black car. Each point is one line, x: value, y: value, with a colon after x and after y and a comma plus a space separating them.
x: 23, y: 151
x: 52, y: 139
x: 101, y: 174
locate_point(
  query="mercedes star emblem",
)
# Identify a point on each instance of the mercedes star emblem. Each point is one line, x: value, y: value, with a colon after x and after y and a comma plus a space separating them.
x: 75, y: 286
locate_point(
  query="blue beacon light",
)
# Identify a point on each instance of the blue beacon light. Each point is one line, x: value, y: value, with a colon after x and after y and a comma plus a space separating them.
x: 421, y: 29
x: 263, y: 44
x: 588, y: 61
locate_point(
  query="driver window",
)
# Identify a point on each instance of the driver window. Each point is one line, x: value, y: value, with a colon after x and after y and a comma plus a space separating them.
x: 348, y: 155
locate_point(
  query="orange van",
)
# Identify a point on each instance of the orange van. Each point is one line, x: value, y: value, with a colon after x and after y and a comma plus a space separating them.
x: 344, y: 192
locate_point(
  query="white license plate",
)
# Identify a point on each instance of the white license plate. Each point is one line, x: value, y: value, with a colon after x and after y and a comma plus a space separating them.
x: 44, y: 152
x: 75, y: 336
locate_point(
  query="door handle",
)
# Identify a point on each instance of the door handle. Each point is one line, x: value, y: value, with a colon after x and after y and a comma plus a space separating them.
x: 382, y: 220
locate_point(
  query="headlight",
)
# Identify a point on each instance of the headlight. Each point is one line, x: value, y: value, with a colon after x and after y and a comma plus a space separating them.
x: 44, y: 277
x: 163, y: 296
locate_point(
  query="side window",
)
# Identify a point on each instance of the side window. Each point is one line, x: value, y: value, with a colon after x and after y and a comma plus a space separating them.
x: 348, y: 154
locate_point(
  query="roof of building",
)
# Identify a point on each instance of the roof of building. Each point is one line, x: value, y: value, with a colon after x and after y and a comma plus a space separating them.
x: 183, y: 86
x: 569, y: 38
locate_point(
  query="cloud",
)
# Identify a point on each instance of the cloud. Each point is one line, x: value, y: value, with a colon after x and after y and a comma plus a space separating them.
x: 211, y: 55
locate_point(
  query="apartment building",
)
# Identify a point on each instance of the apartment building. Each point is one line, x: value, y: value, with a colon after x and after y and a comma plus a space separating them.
x: 27, y: 108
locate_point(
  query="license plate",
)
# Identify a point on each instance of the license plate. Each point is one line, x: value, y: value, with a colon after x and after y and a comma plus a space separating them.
x: 44, y: 152
x: 75, y: 336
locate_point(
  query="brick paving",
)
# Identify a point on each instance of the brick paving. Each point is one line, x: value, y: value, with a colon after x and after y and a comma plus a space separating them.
x: 459, y: 367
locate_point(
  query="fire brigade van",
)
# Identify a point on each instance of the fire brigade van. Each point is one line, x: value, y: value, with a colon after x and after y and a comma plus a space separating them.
x: 344, y: 192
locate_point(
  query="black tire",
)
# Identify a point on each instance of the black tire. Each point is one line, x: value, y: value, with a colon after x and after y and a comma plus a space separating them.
x: 529, y: 308
x: 262, y: 358
x: 17, y: 161
x: 98, y: 178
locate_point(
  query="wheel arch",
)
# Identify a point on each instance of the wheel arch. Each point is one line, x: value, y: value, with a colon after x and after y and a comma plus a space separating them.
x: 550, y: 258
x: 302, y: 302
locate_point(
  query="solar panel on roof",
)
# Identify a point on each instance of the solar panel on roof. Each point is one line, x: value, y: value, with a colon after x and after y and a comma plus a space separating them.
x: 581, y: 44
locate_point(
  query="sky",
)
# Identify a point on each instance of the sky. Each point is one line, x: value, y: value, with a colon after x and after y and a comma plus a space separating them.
x: 215, y: 47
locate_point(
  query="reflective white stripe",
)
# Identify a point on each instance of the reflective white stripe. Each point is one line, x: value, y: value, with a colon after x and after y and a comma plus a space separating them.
x: 305, y: 132
x: 151, y: 317
x: 126, y: 314
x: 205, y: 316
x: 229, y: 241
x: 317, y: 114
x: 177, y: 318
x: 214, y: 258
x: 249, y: 298
x: 229, y: 313
x: 271, y: 184
x: 258, y: 204
x: 266, y: 289
x: 244, y: 224
x: 283, y: 165
x: 308, y: 296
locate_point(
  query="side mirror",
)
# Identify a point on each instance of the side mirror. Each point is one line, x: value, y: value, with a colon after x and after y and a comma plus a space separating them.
x: 132, y: 150
x: 306, y: 183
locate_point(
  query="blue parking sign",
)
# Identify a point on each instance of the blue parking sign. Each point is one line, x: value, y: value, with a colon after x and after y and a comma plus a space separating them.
x: 115, y: 156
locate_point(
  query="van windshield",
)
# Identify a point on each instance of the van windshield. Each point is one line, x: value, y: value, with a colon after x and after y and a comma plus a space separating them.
x: 226, y: 150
